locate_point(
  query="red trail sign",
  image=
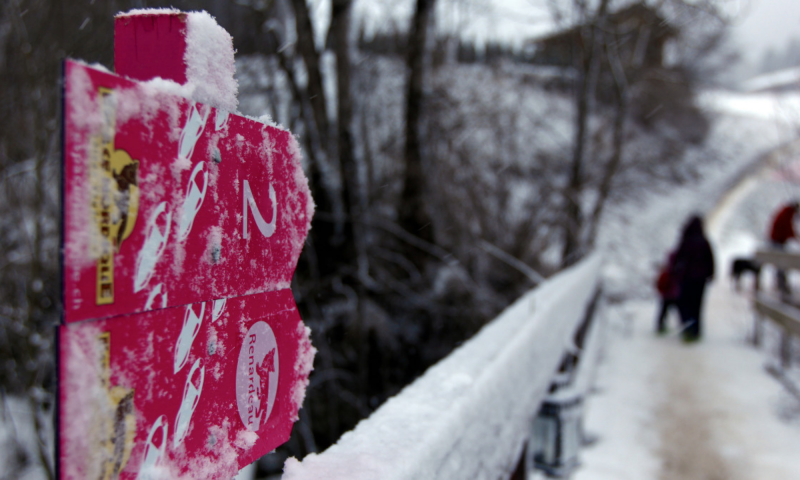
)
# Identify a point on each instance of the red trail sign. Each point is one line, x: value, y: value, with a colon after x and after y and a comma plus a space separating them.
x: 182, y: 354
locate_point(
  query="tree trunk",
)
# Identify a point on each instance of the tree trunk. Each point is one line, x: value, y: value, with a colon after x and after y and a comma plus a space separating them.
x: 413, y: 216
x: 340, y: 44
x: 588, y: 64
x: 307, y: 49
x: 328, y: 226
x: 618, y: 138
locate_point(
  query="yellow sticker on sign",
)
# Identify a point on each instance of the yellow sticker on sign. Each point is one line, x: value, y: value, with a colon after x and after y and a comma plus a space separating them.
x: 116, y: 195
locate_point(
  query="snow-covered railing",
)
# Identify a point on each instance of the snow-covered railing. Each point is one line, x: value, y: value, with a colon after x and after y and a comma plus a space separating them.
x: 779, y: 258
x: 590, y: 351
x: 469, y: 415
x: 785, y: 315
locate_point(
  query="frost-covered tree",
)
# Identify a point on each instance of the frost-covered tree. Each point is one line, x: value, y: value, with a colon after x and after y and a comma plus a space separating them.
x: 635, y: 68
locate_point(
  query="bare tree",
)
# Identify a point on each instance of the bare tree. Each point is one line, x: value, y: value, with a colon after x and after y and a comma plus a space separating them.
x: 339, y: 41
x: 412, y: 213
x: 587, y: 65
x: 619, y: 62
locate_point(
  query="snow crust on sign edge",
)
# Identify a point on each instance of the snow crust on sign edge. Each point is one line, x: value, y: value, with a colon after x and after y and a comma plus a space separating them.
x: 81, y: 398
x: 301, y: 186
x: 81, y: 246
x: 303, y: 366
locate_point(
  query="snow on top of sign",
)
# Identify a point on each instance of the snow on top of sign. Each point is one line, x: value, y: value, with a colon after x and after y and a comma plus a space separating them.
x: 99, y: 66
x: 145, y: 101
x: 147, y: 11
x: 268, y: 121
x: 170, y: 87
x: 210, y: 66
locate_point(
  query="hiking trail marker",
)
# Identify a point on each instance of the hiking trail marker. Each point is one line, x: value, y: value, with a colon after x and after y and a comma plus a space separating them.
x: 181, y: 353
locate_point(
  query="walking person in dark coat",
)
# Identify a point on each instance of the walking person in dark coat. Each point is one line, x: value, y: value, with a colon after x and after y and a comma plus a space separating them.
x: 693, y: 267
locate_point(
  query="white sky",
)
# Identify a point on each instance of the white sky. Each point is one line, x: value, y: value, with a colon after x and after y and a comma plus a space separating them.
x: 765, y: 23
x: 757, y: 24
x: 509, y: 21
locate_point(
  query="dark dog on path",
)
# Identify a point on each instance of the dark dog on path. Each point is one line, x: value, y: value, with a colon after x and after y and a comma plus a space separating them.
x: 743, y: 265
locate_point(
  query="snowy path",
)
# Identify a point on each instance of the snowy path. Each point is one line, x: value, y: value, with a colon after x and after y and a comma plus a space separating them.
x: 665, y: 410
x: 670, y: 411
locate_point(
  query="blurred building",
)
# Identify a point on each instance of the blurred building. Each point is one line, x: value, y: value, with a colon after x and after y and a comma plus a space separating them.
x: 638, y: 32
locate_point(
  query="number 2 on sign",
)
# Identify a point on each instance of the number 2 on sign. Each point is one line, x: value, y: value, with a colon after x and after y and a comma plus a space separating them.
x: 266, y: 229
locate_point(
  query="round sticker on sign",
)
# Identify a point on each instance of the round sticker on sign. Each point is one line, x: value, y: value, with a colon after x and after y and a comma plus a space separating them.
x: 257, y: 376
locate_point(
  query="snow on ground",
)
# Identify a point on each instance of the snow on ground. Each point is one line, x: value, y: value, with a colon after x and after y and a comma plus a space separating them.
x: 18, y: 444
x: 781, y: 108
x: 666, y: 410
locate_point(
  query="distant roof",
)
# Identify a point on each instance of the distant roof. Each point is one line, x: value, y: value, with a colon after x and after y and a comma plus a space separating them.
x: 617, y: 18
x: 780, y: 80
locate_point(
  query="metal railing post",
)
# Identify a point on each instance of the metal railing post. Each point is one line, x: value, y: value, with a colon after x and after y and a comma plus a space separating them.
x: 757, y: 329
x: 786, y: 349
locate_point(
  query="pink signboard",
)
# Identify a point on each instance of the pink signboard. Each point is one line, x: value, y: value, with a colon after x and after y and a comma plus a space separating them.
x: 197, y: 391
x: 182, y: 354
x: 169, y: 201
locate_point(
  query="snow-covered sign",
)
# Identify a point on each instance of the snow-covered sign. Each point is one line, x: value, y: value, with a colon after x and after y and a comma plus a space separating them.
x: 182, y: 354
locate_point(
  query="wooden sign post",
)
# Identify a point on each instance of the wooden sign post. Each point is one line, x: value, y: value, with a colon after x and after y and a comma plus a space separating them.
x: 182, y: 354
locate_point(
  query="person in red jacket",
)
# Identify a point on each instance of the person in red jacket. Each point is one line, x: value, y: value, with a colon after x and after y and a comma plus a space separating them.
x: 781, y: 232
x: 668, y: 290
x: 783, y: 225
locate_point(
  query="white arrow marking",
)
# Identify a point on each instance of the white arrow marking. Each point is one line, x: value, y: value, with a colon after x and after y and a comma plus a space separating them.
x: 266, y: 229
